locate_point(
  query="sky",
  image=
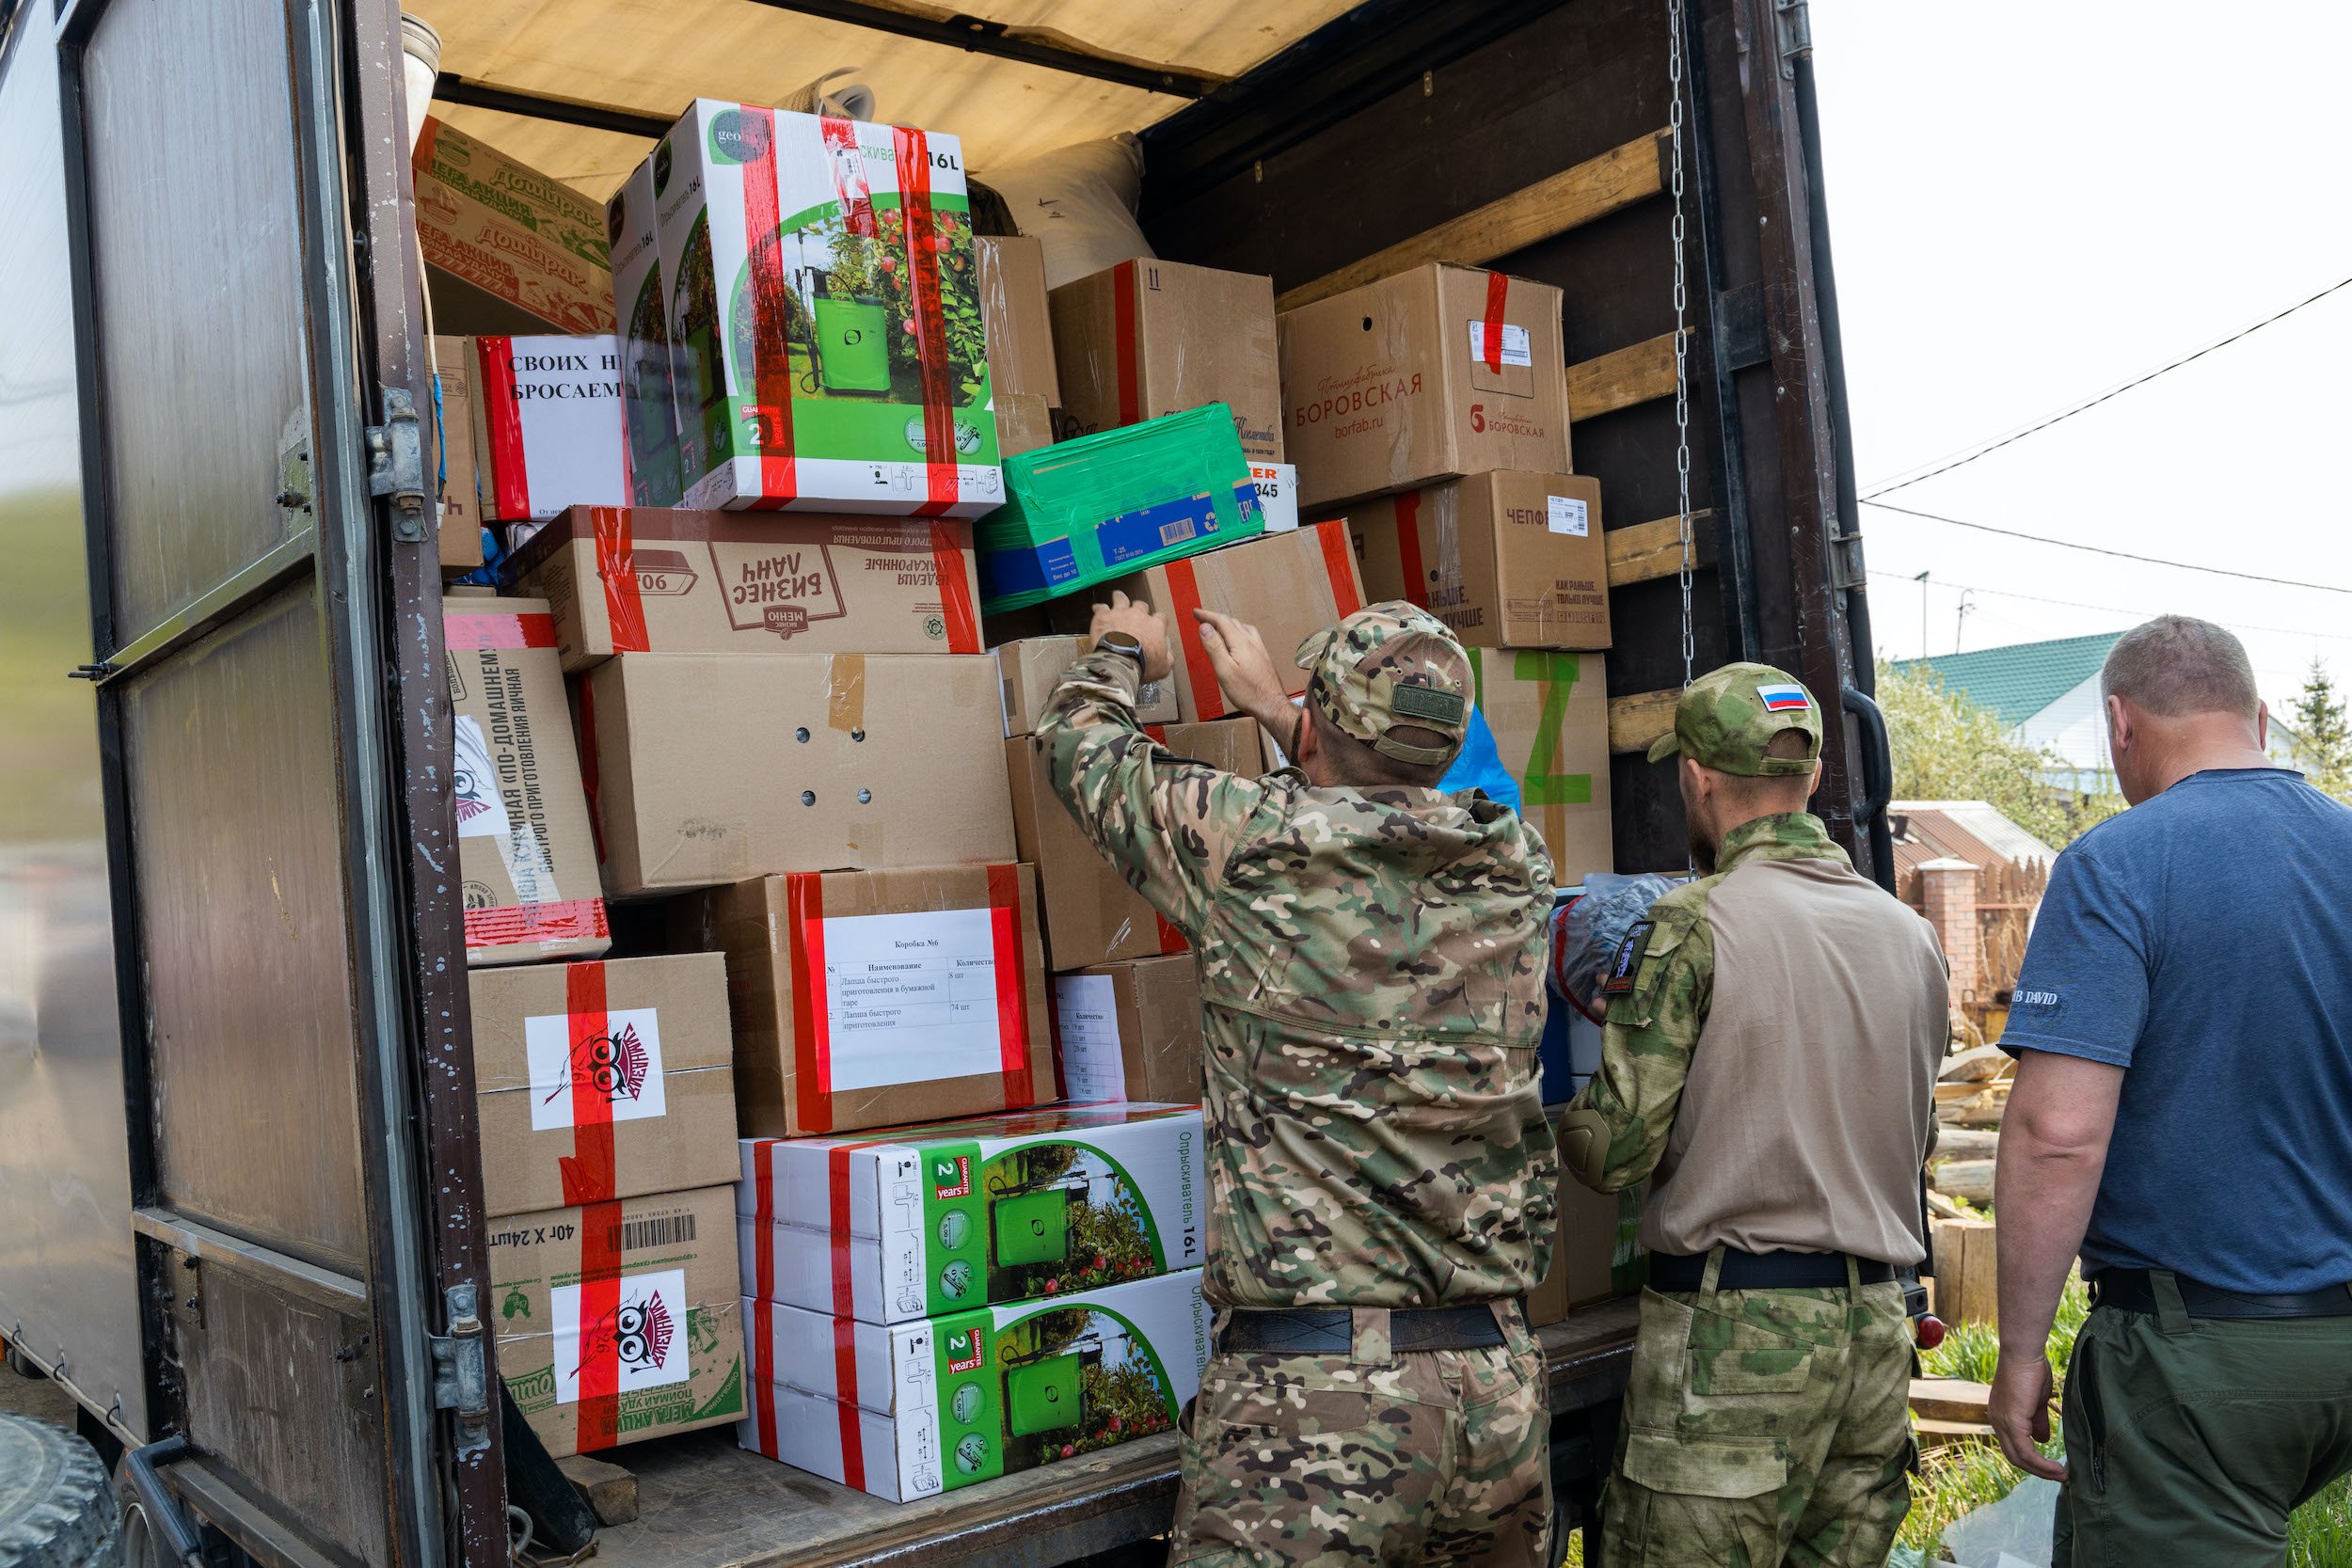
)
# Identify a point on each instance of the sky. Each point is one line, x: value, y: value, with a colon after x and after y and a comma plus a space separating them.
x: 2033, y: 202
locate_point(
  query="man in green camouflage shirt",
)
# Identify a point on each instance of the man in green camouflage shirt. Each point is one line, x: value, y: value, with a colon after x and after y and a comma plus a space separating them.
x: 1381, y: 1178
x: 1774, y: 1030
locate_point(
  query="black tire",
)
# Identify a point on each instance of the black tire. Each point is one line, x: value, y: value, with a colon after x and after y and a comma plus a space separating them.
x: 56, y: 1505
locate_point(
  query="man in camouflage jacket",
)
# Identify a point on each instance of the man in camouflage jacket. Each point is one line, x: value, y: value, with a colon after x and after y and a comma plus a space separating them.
x: 1774, y: 1030
x: 1381, y: 1178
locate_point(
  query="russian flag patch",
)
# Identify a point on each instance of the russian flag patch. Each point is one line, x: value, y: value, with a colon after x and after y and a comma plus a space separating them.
x: 1780, y: 699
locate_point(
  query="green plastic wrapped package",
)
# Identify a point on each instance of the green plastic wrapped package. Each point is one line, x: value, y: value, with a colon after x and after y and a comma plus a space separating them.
x: 1080, y: 513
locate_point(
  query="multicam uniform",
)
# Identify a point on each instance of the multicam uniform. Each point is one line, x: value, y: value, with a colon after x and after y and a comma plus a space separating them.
x: 1372, y: 986
x: 1769, y: 1064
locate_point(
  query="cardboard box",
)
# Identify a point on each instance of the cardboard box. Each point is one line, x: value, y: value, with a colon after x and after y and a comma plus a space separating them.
x: 1549, y: 714
x: 1147, y: 338
x: 602, y: 1080
x: 647, y: 369
x: 1023, y: 423
x: 1400, y: 383
x: 834, y: 361
x: 1019, y: 328
x: 648, y: 579
x: 877, y: 998
x: 548, y: 424
x: 1597, y: 1254
x: 1091, y: 915
x: 950, y: 1216
x: 1287, y: 585
x: 714, y: 767
x: 619, y: 1321
x: 524, y: 845
x: 1506, y: 560
x: 1130, y: 1031
x: 922, y: 1407
x: 1029, y: 667
x: 507, y: 245
x: 1084, y: 510
x: 455, y: 480
x: 1277, y: 494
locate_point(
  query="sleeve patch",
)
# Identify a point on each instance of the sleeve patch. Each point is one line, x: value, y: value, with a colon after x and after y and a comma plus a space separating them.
x: 1628, y: 961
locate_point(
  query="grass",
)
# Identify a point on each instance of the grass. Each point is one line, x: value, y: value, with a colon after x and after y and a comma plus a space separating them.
x: 1963, y: 1476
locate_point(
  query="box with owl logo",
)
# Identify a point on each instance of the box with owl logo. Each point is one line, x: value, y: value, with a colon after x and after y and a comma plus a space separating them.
x: 526, y: 857
x: 924, y: 1407
x: 618, y: 1322
x: 602, y: 1079
x: 954, y: 1216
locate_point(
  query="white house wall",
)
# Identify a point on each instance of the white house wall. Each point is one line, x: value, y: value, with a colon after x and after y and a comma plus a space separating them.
x: 2073, y: 728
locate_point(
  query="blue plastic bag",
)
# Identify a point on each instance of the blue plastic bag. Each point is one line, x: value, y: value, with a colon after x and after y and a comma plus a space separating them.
x: 1479, y: 766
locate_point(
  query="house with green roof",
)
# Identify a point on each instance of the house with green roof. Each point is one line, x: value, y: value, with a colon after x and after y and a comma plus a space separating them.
x: 2047, y: 694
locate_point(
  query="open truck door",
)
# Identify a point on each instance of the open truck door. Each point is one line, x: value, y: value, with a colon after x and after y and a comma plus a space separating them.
x: 255, y: 422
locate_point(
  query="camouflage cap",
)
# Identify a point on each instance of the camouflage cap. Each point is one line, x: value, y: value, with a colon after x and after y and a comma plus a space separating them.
x: 1386, y: 666
x: 1727, y: 716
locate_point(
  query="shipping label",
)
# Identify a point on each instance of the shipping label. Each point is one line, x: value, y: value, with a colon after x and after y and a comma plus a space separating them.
x: 644, y: 1335
x: 1567, y: 514
x: 1091, y: 1066
x: 910, y: 998
x: 1518, y: 347
x: 620, y: 1064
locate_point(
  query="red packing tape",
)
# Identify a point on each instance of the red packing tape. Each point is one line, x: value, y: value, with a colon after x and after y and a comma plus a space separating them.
x: 952, y: 562
x: 1012, y: 985
x: 1409, y: 548
x: 771, y: 301
x: 1340, y: 566
x: 1183, y: 597
x: 847, y: 163
x: 763, y: 1296
x: 1491, y: 335
x: 589, y: 1172
x: 467, y: 629
x: 805, y: 946
x: 931, y: 322
x: 502, y: 925
x: 598, y: 1387
x: 616, y: 568
x: 1127, y: 363
x: 510, y: 480
x: 583, y: 694
x: 844, y: 1320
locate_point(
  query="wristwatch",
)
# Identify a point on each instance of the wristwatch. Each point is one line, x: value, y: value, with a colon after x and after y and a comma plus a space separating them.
x: 1122, y: 642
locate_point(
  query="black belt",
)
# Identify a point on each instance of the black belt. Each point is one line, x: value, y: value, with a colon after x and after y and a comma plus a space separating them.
x: 2134, y: 1291
x: 1331, y: 1330
x: 1765, y: 1271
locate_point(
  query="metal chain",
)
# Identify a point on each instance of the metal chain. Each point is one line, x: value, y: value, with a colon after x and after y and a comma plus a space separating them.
x: 1682, y: 377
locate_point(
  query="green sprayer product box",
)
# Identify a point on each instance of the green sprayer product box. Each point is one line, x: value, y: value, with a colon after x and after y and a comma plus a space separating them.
x: 942, y: 1218
x: 907, y: 1409
x: 820, y: 303
x: 1080, y: 513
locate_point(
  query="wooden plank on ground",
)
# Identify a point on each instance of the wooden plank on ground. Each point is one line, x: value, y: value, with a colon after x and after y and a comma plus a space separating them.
x: 610, y: 1491
x: 1635, y: 374
x: 1636, y: 720
x: 1944, y: 1434
x: 1642, y: 552
x: 1974, y: 1065
x: 1574, y: 196
x: 1949, y: 1399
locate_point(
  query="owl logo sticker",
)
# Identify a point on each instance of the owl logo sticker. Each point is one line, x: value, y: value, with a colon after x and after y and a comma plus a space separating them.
x: 481, y: 811
x: 613, y: 1064
x: 635, y: 1343
x: 610, y: 1062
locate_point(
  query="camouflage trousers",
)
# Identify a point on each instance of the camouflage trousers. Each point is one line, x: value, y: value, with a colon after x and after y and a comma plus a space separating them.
x: 1764, y: 1427
x: 1371, y: 1458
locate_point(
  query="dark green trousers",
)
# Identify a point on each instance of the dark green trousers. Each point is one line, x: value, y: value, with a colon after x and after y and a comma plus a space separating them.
x: 2190, y: 1440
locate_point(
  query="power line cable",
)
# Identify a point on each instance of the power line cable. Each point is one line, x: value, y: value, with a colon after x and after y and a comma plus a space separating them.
x: 2099, y: 549
x: 1913, y: 578
x: 1972, y: 454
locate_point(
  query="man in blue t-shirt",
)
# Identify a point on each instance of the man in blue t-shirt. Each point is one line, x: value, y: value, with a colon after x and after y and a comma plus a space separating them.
x: 2183, y: 1118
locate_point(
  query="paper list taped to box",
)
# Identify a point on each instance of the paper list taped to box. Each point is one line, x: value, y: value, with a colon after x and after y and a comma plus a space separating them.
x: 911, y: 998
x: 1091, y: 1066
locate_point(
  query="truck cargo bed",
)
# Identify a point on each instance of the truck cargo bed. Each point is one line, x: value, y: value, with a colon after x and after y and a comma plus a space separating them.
x: 705, y: 1503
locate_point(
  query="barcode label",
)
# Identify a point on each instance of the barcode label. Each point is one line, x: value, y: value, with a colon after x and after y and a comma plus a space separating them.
x: 1177, y: 532
x: 659, y: 1230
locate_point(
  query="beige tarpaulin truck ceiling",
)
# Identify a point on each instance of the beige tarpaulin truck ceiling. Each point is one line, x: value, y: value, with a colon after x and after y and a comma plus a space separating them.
x: 649, y: 57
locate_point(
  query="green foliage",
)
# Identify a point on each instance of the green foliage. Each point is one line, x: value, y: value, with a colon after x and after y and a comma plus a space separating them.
x: 1947, y: 748
x: 2323, y: 733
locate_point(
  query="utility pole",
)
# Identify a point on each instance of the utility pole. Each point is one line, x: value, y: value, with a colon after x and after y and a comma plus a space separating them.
x: 1922, y: 580
x: 1967, y: 603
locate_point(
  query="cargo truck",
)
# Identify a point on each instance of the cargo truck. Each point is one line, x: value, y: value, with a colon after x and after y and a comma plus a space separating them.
x: 238, y: 1164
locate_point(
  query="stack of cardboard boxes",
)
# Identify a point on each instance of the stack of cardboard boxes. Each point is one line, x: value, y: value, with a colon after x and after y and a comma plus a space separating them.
x: 956, y: 1057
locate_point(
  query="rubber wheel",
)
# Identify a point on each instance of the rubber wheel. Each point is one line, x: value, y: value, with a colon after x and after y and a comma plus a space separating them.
x: 56, y: 1505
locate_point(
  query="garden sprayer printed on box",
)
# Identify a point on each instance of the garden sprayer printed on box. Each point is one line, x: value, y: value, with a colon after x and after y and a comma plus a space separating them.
x: 949, y: 1402
x: 822, y: 325
x: 940, y: 1218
